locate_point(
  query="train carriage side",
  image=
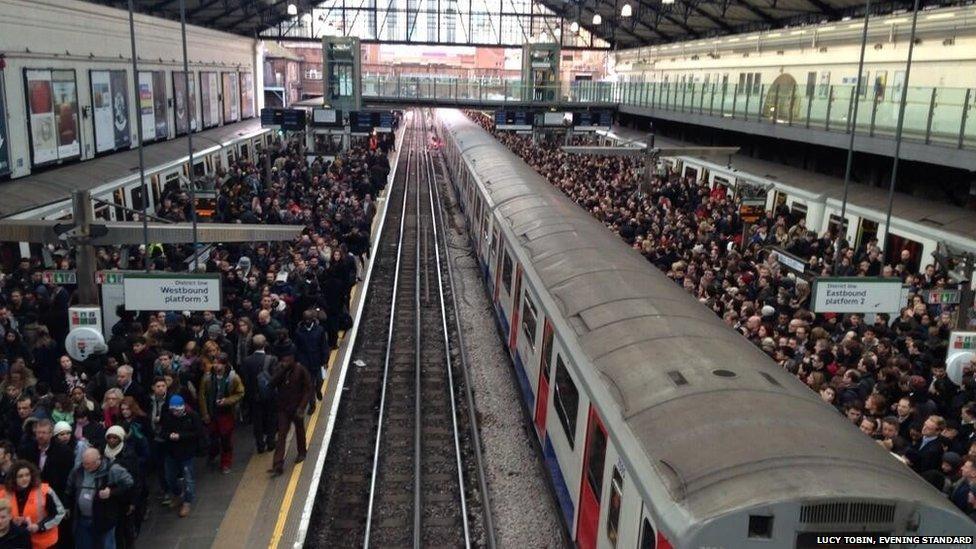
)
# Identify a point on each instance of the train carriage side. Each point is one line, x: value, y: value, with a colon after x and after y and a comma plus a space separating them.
x: 627, y: 479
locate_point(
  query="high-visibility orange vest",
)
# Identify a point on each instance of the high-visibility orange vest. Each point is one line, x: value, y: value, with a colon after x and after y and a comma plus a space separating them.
x: 36, y: 510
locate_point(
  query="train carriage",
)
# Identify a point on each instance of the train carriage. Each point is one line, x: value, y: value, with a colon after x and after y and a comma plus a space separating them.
x: 659, y: 426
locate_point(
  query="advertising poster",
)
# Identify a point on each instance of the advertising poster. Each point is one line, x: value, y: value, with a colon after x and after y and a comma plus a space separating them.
x: 120, y: 109
x: 159, y: 104
x: 40, y: 108
x: 146, y: 106
x: 102, y: 113
x: 65, y: 92
x: 4, y: 143
x: 247, y: 95
x: 210, y: 96
x: 185, y: 107
x: 232, y: 97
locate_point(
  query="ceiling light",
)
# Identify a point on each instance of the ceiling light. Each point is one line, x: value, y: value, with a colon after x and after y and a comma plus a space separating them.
x: 597, y: 19
x: 292, y: 9
x: 626, y: 11
x: 574, y: 26
x: 667, y: 1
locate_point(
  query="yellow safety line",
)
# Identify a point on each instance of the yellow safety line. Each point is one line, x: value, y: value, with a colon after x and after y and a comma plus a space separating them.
x: 296, y: 471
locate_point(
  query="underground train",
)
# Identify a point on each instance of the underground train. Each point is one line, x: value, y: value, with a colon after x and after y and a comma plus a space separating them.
x: 660, y: 427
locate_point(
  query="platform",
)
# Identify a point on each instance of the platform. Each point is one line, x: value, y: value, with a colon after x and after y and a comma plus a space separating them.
x: 929, y: 213
x: 56, y: 184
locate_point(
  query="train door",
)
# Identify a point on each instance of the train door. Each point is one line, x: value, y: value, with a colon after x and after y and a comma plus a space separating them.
x: 492, y: 250
x: 542, y: 393
x: 866, y: 231
x: 513, y: 333
x: 895, y: 244
x: 527, y: 357
x: 591, y: 488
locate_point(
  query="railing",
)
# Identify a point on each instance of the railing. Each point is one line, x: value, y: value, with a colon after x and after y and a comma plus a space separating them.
x: 932, y: 115
x: 481, y: 90
x: 940, y: 115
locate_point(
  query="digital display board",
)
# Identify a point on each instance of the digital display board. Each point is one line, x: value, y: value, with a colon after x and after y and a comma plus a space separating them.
x: 593, y: 119
x: 294, y: 120
x: 271, y: 117
x: 513, y: 120
x: 326, y: 117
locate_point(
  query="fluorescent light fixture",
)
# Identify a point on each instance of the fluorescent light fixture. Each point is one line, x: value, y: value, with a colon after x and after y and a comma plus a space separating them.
x: 733, y: 40
x: 897, y: 21
x: 292, y: 9
x: 667, y: 1
x: 627, y: 11
x: 798, y: 32
x: 574, y: 26
x: 597, y: 19
x: 855, y: 25
x: 775, y: 35
x: 825, y: 29
x: 941, y: 16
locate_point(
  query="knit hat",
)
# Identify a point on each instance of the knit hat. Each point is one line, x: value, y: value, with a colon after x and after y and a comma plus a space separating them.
x: 116, y: 430
x: 952, y: 459
x: 61, y: 427
x: 176, y: 401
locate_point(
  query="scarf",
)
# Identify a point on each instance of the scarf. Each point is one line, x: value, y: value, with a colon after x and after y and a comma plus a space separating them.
x: 110, y: 452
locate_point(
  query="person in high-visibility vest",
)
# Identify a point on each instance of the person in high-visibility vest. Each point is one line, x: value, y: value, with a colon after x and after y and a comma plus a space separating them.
x: 33, y: 503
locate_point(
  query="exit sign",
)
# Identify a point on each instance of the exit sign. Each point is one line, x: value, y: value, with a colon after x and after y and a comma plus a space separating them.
x: 59, y: 277
x: 109, y: 277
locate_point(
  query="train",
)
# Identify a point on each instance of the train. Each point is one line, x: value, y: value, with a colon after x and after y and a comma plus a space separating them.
x: 660, y: 427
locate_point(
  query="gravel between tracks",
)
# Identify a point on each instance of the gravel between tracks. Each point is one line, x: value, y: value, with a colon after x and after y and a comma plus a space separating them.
x: 525, y: 511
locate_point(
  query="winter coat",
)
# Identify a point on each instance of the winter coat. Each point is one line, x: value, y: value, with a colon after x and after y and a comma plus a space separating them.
x: 312, y: 345
x: 105, y: 512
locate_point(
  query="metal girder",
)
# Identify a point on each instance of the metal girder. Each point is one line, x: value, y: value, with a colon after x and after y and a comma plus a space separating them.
x: 824, y: 8
x: 756, y: 10
x: 694, y: 5
x: 129, y: 232
x: 684, y: 26
x: 265, y: 9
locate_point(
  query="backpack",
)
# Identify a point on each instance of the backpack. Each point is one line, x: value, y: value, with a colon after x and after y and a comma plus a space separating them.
x: 265, y: 390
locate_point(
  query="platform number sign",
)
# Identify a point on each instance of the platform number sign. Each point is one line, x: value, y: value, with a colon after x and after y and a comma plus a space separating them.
x: 4, y: 143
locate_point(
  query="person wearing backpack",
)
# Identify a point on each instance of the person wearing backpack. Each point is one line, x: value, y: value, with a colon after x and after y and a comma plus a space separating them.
x: 257, y: 370
x: 312, y: 350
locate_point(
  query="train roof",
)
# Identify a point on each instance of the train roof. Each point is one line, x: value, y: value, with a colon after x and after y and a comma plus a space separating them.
x: 57, y: 184
x: 725, y: 426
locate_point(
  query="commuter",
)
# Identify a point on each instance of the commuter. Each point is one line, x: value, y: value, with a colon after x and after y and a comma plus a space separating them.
x: 294, y: 390
x: 220, y: 391
x: 257, y: 371
x: 97, y: 491
x: 182, y: 431
x: 34, y: 504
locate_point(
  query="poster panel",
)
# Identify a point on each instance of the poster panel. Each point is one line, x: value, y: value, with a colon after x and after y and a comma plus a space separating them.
x: 232, y: 97
x: 65, y: 92
x: 146, y: 106
x: 4, y: 143
x: 159, y: 104
x: 120, y: 109
x: 205, y: 99
x: 247, y: 95
x: 40, y: 108
x: 102, y: 112
x: 185, y: 107
x: 211, y: 99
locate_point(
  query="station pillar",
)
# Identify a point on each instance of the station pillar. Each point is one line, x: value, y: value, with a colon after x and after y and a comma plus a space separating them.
x: 540, y: 72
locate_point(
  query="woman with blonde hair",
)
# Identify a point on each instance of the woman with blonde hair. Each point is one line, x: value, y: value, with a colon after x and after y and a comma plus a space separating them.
x: 111, y: 407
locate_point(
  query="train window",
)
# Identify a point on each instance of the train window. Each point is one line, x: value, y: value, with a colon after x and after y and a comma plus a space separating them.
x: 546, y: 351
x: 799, y: 212
x: 137, y: 203
x: 613, y: 511
x: 199, y: 169
x: 507, y: 272
x: 834, y: 224
x: 867, y: 231
x: 529, y: 320
x: 566, y: 401
x: 494, y: 243
x: 118, y: 196
x: 245, y: 151
x: 760, y: 526
x: 596, y: 453
x: 648, y: 536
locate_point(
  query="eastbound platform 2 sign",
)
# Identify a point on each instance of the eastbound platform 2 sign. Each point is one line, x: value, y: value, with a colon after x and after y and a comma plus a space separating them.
x: 172, y: 292
x: 857, y: 295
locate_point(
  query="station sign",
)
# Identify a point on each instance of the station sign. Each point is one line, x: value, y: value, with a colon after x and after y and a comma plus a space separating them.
x: 941, y: 297
x: 960, y: 355
x: 59, y: 277
x: 322, y: 117
x: 788, y: 260
x: 85, y: 316
x: 592, y: 120
x: 172, y: 292
x: 109, y: 277
x: 857, y: 295
x: 83, y: 342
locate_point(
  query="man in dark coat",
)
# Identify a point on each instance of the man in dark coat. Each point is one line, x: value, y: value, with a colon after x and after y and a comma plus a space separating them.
x: 97, y: 493
x: 257, y: 370
x: 54, y: 459
x: 294, y: 389
x: 927, y: 453
x: 312, y: 349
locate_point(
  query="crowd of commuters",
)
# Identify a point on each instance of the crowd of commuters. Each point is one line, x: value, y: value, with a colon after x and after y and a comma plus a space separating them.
x: 887, y: 376
x: 88, y: 449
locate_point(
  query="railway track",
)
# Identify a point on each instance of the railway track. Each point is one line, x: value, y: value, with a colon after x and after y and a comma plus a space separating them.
x: 404, y: 468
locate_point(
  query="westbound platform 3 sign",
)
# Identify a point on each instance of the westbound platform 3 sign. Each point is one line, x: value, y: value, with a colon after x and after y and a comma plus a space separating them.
x: 857, y: 295
x: 172, y: 292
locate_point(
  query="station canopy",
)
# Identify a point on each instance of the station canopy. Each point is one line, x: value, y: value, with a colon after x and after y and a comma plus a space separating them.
x: 600, y: 24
